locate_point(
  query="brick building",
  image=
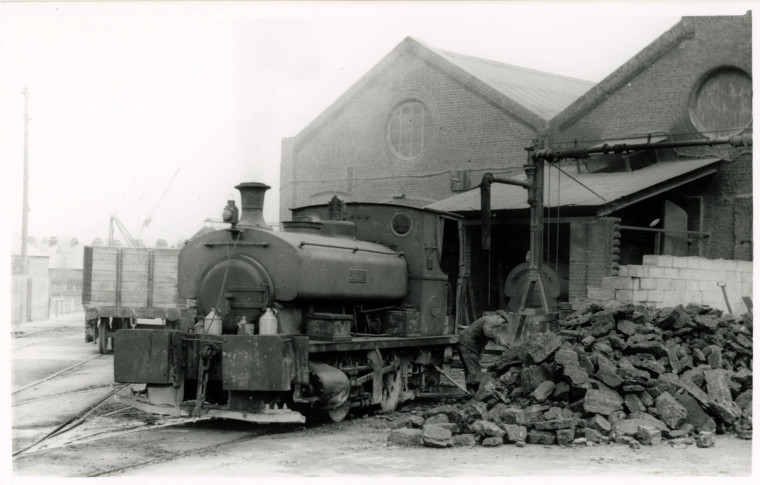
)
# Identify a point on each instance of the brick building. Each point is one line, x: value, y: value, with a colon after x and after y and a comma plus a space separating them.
x: 419, y: 126
x: 467, y: 116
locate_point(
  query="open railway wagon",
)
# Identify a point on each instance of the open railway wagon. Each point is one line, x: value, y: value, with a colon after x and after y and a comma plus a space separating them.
x: 348, y: 305
x: 122, y: 285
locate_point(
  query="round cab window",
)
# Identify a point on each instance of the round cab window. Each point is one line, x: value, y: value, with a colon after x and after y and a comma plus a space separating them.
x: 401, y: 224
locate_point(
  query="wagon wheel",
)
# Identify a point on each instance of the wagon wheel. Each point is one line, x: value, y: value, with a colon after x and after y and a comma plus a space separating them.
x: 103, y: 336
x: 339, y: 414
x: 391, y: 391
x: 90, y: 330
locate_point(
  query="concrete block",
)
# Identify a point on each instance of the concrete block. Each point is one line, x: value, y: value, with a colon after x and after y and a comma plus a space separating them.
x: 663, y: 284
x: 657, y: 272
x: 648, y: 283
x: 746, y: 277
x: 707, y: 286
x: 671, y: 298
x: 694, y: 262
x: 601, y: 294
x: 678, y: 285
x: 639, y: 296
x: 624, y: 271
x: 654, y: 296
x: 620, y: 282
x: 625, y: 296
x: 638, y: 271
x: 681, y: 262
x: 704, y: 263
x: 692, y: 297
x: 665, y: 261
x: 687, y: 274
x: 692, y: 285
x: 744, y: 266
x: 650, y: 260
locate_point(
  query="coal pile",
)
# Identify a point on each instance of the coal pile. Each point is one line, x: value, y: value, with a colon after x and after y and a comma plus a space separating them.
x: 620, y: 374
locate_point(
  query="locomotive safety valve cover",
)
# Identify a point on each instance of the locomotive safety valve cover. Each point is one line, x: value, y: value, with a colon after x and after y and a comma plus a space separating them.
x: 262, y: 362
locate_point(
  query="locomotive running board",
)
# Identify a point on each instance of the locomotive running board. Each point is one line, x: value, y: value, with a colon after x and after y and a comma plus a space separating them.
x: 268, y: 416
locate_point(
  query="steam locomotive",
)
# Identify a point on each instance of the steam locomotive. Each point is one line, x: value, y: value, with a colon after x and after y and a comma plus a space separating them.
x: 348, y: 305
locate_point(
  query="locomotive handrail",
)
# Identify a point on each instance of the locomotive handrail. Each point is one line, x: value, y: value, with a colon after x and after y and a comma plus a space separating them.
x: 237, y: 244
x: 353, y: 249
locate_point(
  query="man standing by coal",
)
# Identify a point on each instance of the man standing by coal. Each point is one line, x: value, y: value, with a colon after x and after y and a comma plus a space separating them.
x: 472, y: 341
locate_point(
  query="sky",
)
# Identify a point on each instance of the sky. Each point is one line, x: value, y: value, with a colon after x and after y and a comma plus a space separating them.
x: 123, y: 96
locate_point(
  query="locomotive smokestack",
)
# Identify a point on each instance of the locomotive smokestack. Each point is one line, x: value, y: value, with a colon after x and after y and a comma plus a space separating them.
x: 252, y: 200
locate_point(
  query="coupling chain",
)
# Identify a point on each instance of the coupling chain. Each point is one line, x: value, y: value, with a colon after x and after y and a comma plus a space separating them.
x: 207, y: 353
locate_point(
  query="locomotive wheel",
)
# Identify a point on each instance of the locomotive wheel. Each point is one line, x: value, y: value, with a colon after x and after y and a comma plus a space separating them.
x: 391, y: 391
x: 339, y: 414
x: 103, y: 336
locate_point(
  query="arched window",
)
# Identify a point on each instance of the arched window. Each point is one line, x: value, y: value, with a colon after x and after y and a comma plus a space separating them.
x: 722, y: 103
x: 410, y: 128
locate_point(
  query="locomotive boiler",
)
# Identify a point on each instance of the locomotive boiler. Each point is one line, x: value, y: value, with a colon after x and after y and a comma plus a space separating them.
x: 348, y: 305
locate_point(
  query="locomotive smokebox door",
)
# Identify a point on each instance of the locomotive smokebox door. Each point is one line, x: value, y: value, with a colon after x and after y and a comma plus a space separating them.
x: 238, y: 287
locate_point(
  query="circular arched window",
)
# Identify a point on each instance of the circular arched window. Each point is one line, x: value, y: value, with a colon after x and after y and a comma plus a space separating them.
x: 410, y: 128
x: 722, y: 103
x: 401, y: 224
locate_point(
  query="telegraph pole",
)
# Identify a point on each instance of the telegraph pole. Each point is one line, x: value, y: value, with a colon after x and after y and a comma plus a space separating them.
x: 25, y: 208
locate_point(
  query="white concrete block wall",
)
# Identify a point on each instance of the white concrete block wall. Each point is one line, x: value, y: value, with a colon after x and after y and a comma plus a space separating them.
x: 670, y: 280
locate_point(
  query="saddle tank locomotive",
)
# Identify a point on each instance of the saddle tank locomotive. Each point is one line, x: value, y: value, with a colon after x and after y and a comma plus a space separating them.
x: 348, y: 305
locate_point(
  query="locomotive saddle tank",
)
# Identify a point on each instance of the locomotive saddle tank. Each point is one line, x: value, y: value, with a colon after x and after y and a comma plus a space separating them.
x: 362, y: 294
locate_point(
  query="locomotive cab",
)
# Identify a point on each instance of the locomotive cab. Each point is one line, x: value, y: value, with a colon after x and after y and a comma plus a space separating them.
x: 348, y: 305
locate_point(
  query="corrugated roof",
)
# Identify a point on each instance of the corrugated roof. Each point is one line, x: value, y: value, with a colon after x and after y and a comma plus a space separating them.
x: 610, y: 186
x: 543, y: 93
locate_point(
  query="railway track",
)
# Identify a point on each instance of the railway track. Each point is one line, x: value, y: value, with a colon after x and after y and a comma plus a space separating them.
x: 183, y: 454
x: 56, y: 374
